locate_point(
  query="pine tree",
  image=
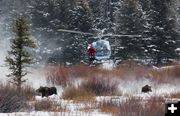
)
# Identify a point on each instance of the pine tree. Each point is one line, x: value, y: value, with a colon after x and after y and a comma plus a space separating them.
x: 19, y: 57
x: 162, y: 32
x: 48, y: 16
x: 103, y: 12
x: 129, y: 23
x: 76, y: 45
x: 98, y: 13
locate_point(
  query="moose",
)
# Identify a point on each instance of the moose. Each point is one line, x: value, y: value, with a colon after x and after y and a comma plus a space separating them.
x: 47, y: 91
x: 146, y: 89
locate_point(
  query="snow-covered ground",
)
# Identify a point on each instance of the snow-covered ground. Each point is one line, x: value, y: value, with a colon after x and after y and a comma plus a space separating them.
x: 130, y: 86
x: 42, y: 113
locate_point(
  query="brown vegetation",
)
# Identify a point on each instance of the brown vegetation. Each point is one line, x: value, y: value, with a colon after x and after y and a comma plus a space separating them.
x: 48, y: 105
x: 64, y: 76
x: 78, y: 94
x: 58, y: 75
x: 101, y: 86
x: 96, y: 86
x: 165, y: 74
x: 134, y: 106
x: 175, y: 95
x: 12, y: 99
x: 101, y: 82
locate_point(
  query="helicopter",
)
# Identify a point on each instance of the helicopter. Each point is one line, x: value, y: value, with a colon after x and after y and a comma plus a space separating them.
x: 102, y: 46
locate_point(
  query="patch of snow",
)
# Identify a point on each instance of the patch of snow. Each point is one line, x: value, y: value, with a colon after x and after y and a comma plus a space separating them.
x: 134, y: 86
x: 155, y: 68
x: 72, y: 107
x: 178, y: 49
x: 43, y: 113
x: 109, y: 65
x: 112, y: 98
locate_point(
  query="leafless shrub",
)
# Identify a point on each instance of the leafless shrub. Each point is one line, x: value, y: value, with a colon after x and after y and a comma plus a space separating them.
x: 82, y: 71
x: 101, y: 86
x: 89, y: 106
x: 48, y: 105
x: 10, y: 99
x: 132, y: 106
x: 109, y: 106
x: 44, y: 105
x: 78, y: 94
x: 28, y: 92
x: 58, y: 75
x: 61, y: 75
x: 135, y: 107
x: 64, y: 76
x: 166, y: 73
x: 155, y: 106
x: 90, y: 88
x: 175, y: 95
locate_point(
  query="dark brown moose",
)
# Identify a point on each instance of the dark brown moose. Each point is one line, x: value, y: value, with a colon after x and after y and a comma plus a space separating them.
x: 47, y: 91
x: 146, y: 89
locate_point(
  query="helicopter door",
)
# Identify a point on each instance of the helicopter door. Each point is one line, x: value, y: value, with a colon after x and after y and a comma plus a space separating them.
x: 103, y: 49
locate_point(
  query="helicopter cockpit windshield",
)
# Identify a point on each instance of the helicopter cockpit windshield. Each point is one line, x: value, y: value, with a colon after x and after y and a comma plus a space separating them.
x: 103, y: 49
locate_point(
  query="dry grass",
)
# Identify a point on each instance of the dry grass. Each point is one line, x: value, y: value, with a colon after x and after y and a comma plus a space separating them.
x: 133, y: 72
x: 48, y: 105
x: 155, y: 106
x: 13, y: 100
x: 109, y: 106
x: 89, y: 106
x: 165, y: 74
x: 29, y: 92
x: 63, y: 75
x: 175, y: 95
x: 88, y: 89
x: 58, y: 75
x: 134, y: 107
x: 10, y: 101
x: 56, y: 72
x: 101, y: 86
x: 78, y: 94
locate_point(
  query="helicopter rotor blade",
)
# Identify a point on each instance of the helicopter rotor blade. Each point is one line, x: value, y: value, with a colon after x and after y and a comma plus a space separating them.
x: 76, y: 32
x: 100, y: 35
x: 115, y: 35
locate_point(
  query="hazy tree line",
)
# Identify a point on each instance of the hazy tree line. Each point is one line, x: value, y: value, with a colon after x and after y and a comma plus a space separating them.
x: 155, y: 21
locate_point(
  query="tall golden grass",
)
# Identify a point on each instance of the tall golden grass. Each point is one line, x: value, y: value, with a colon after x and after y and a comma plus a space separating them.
x: 91, y: 88
x: 78, y: 94
x: 155, y: 106
x: 175, y: 95
x: 61, y: 75
x: 165, y: 74
x: 48, y: 105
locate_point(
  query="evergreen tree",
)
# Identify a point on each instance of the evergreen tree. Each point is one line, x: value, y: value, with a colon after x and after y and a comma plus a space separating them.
x: 47, y: 17
x: 129, y: 23
x: 61, y: 14
x: 103, y: 12
x: 19, y: 57
x: 98, y: 13
x: 162, y: 32
x: 146, y: 36
x: 76, y: 45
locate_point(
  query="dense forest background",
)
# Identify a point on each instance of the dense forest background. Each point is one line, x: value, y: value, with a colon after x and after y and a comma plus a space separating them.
x: 156, y: 21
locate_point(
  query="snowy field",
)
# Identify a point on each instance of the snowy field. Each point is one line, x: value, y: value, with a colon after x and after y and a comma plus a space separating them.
x: 129, y: 87
x: 138, y: 32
